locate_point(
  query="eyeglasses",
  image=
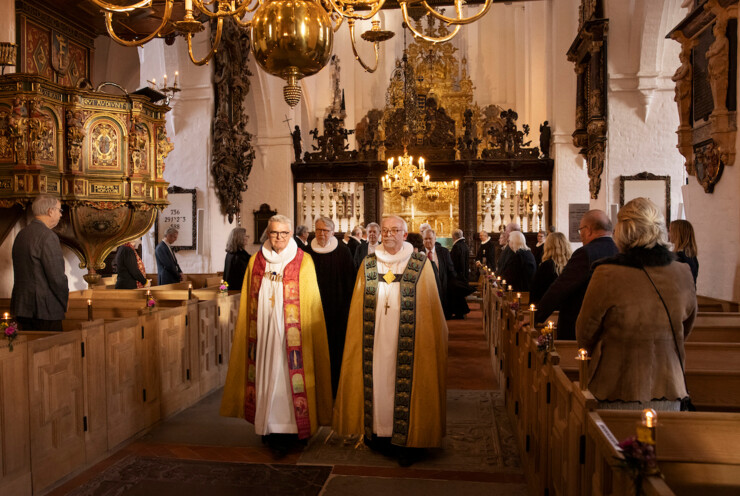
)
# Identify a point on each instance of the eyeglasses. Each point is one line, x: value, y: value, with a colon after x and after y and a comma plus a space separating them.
x: 61, y: 209
x: 393, y: 231
x: 323, y: 230
x: 279, y: 234
x: 582, y: 227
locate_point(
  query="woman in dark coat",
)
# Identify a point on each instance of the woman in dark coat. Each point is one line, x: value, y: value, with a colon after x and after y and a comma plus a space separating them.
x: 237, y: 258
x: 129, y: 268
x: 520, y: 266
x: 684, y: 244
x: 555, y: 256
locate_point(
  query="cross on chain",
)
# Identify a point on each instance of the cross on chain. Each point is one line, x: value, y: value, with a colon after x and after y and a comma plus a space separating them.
x: 272, y: 300
x: 387, y: 306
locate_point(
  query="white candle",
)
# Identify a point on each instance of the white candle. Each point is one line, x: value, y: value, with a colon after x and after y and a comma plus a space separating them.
x: 188, y: 5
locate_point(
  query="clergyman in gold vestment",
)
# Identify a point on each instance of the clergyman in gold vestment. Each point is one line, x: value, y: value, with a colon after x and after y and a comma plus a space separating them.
x: 393, y: 382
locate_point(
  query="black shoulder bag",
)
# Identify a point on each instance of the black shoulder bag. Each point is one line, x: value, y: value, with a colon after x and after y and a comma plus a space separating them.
x: 686, y: 404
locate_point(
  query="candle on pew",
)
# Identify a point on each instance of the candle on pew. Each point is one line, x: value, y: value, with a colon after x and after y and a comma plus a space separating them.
x: 647, y: 432
x: 532, y: 311
x: 89, y: 310
x: 518, y: 300
x: 6, y: 316
x: 583, y: 359
x: 190, y: 291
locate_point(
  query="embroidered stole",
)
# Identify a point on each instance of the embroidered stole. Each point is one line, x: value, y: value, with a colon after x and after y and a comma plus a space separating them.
x: 405, y: 353
x: 293, y: 341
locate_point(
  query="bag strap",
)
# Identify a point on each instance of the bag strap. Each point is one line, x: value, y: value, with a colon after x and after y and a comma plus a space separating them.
x: 670, y: 321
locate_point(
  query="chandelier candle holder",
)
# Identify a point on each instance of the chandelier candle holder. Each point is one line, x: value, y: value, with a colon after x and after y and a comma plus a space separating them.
x: 168, y: 91
x: 405, y: 178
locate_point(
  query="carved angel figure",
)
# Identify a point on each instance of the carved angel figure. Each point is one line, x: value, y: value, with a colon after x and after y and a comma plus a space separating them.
x: 682, y: 78
x: 718, y: 63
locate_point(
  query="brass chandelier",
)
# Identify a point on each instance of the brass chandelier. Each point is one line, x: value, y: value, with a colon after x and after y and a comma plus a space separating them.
x: 405, y: 178
x: 291, y: 39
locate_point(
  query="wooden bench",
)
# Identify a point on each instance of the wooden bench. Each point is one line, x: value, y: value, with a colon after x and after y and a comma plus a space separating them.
x: 697, y: 454
x: 708, y: 304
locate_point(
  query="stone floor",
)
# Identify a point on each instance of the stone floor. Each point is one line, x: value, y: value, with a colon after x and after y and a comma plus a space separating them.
x: 197, y: 452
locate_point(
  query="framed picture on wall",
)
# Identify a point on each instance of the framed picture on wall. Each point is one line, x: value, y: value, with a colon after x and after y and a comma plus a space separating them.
x: 655, y: 188
x: 181, y: 214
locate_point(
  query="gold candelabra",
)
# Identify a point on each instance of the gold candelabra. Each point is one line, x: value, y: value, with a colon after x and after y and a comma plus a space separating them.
x: 290, y: 39
x: 444, y: 191
x: 405, y: 178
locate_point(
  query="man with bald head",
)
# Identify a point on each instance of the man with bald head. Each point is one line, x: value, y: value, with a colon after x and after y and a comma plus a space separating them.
x: 566, y: 293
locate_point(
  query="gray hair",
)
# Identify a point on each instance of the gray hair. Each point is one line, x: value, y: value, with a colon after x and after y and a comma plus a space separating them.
x: 42, y: 204
x: 300, y: 230
x: 405, y: 225
x: 517, y: 241
x: 431, y: 231
x: 512, y: 227
x: 424, y: 227
x: 373, y: 224
x: 457, y: 234
x: 281, y: 219
x: 327, y: 222
x: 171, y: 230
x: 236, y: 240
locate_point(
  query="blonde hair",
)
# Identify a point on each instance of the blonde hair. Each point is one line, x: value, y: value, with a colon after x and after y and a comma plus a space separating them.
x: 640, y: 224
x: 682, y: 237
x: 558, y: 250
x: 517, y: 241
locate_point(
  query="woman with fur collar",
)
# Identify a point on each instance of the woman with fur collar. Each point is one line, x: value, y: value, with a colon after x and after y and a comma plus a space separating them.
x: 638, y: 310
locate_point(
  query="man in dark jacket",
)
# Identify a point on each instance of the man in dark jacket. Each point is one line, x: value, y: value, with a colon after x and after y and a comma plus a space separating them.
x: 168, y: 270
x: 40, y: 291
x: 459, y: 289
x: 367, y: 248
x: 567, y: 292
x: 440, y: 257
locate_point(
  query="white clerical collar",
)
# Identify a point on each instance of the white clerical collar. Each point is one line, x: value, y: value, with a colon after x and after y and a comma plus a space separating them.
x: 486, y: 241
x: 284, y: 256
x: 403, y: 254
x: 330, y: 246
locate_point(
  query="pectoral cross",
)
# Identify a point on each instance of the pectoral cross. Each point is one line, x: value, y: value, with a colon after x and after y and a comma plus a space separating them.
x: 272, y: 300
x: 387, y: 306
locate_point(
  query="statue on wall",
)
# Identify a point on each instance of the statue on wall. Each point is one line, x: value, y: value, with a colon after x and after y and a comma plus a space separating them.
x: 718, y: 63
x: 682, y: 78
x: 75, y: 136
x: 297, y: 147
x: 545, y: 139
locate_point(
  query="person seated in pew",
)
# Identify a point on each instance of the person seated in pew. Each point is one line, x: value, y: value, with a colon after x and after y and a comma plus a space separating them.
x: 684, y: 244
x: 130, y: 270
x: 519, y: 266
x: 555, y: 256
x: 639, y: 307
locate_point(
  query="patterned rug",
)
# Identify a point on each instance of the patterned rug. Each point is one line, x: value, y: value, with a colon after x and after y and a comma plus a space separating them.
x: 479, y: 438
x: 138, y: 476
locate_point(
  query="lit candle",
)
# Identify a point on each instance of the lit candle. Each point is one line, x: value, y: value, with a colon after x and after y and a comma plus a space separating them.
x: 518, y: 298
x: 154, y: 83
x: 189, y: 5
x: 532, y: 311
x: 165, y: 80
x: 177, y: 73
x: 646, y: 432
x: 148, y: 292
x: 6, y: 316
x: 583, y: 360
x: 89, y: 310
x: 190, y: 290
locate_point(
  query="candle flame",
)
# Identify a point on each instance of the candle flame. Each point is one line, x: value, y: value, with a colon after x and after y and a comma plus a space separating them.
x: 532, y: 307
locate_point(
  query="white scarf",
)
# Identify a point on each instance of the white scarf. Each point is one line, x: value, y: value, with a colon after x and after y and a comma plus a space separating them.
x: 330, y: 246
x: 284, y: 256
x: 403, y: 254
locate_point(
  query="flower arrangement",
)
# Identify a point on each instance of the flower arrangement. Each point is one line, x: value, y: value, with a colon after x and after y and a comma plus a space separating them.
x: 224, y: 287
x: 150, y: 302
x: 639, y: 460
x: 10, y: 331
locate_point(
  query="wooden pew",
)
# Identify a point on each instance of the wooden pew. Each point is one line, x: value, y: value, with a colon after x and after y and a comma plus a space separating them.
x: 697, y: 454
x: 716, y: 327
x: 708, y: 304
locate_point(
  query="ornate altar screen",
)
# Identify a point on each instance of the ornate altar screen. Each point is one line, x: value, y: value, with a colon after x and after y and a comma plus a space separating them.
x: 523, y: 202
x: 341, y: 202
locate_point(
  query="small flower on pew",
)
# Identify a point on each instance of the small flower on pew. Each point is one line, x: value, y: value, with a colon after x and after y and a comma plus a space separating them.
x: 542, y: 342
x: 150, y: 302
x: 639, y: 460
x: 224, y: 287
x: 10, y: 331
x: 515, y: 306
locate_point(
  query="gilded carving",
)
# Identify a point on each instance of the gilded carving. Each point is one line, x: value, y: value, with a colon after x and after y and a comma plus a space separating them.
x: 709, y: 167
x: 104, y: 144
x: 40, y: 134
x: 17, y: 130
x: 595, y: 162
x: 164, y: 147
x: 75, y: 136
x: 137, y: 147
x: 718, y: 63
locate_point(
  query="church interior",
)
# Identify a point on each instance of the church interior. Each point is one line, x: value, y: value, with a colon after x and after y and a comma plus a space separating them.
x: 141, y: 115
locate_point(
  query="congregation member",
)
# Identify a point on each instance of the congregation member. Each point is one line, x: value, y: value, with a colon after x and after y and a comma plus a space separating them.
x: 368, y: 248
x: 503, y: 241
x: 130, y: 270
x: 539, y: 248
x: 486, y: 251
x: 555, y: 257
x: 684, y: 244
x: 459, y: 288
x: 445, y: 269
x: 637, y: 312
x: 335, y: 273
x: 237, y: 258
x: 566, y: 293
x: 301, y: 237
x: 354, y: 240
x: 279, y: 375
x: 393, y: 385
x: 520, y: 265
x: 40, y: 289
x: 168, y: 270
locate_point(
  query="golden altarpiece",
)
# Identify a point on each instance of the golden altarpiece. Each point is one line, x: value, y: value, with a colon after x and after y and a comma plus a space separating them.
x: 101, y: 154
x: 484, y: 173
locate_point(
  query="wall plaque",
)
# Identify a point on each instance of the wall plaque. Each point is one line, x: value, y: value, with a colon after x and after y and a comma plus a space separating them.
x: 181, y: 214
x: 575, y: 213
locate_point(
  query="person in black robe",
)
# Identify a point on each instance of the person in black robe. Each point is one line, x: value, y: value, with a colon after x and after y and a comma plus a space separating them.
x: 237, y: 258
x: 486, y: 251
x: 539, y: 249
x: 335, y: 273
x: 459, y: 287
x: 354, y: 240
x: 520, y: 265
x: 440, y: 257
x: 127, y: 268
x: 367, y: 248
x: 301, y: 238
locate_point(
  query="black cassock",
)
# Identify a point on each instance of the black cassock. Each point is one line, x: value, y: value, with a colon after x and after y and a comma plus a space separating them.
x: 335, y: 272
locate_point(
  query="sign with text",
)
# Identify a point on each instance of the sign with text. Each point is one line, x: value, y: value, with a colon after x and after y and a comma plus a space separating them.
x: 181, y: 215
x: 575, y: 212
